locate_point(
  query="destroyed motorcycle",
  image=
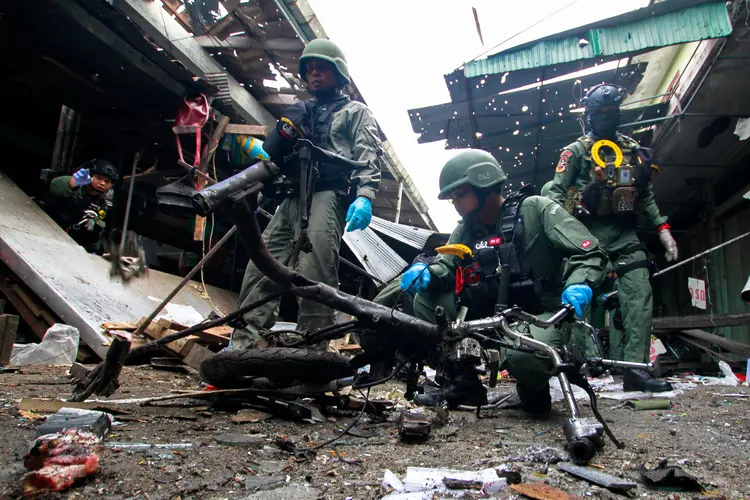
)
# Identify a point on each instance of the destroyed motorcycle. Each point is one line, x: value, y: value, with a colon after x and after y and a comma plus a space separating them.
x: 293, y: 371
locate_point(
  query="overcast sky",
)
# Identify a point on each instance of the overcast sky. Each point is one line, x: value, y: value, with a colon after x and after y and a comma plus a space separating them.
x: 399, y: 50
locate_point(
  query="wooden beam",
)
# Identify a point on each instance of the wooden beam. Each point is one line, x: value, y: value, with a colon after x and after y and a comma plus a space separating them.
x: 242, y: 42
x: 693, y: 322
x: 279, y: 99
x: 242, y: 129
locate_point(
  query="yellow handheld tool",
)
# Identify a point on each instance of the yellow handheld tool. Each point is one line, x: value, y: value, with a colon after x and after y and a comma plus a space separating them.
x: 598, y: 159
x: 460, y: 251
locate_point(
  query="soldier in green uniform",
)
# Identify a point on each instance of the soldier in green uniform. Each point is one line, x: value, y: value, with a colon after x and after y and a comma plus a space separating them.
x: 527, y: 236
x: 80, y: 202
x: 335, y: 123
x: 604, y: 178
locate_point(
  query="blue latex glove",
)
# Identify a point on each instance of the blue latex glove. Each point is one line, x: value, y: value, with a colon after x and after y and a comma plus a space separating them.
x: 578, y: 296
x: 359, y: 214
x: 82, y: 177
x: 416, y: 278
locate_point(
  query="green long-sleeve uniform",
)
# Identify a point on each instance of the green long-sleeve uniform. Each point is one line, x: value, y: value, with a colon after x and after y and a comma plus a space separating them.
x: 618, y: 237
x: 80, y: 211
x: 549, y: 235
x: 351, y: 131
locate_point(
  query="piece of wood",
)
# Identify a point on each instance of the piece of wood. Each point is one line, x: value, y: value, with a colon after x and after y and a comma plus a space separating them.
x: 350, y: 347
x: 211, y: 338
x: 242, y: 129
x: 541, y: 491
x: 224, y: 331
x: 8, y: 329
x: 171, y: 325
x: 37, y: 325
x: 696, y: 322
x: 30, y: 303
x: 197, y: 355
x: 115, y: 325
x: 53, y: 405
x: 103, y: 380
x: 726, y: 344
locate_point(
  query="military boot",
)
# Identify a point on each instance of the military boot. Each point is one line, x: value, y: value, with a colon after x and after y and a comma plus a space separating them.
x: 641, y: 380
x: 460, y: 389
x: 536, y: 401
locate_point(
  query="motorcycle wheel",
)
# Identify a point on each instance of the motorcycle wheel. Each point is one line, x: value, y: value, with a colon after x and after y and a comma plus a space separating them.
x: 278, y: 364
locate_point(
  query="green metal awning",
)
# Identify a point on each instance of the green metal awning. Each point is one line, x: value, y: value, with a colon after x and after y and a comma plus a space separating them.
x: 666, y: 23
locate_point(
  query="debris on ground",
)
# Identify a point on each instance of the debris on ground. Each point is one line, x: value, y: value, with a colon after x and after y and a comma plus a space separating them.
x: 428, y: 482
x: 57, y: 461
x: 650, y: 404
x: 58, y: 347
x: 541, y: 454
x: 413, y: 426
x: 248, y: 415
x: 670, y: 476
x: 541, y: 491
x: 95, y: 422
x: 597, y: 477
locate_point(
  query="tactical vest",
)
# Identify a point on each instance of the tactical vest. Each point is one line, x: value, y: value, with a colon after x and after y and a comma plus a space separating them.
x: 88, y: 230
x: 614, y: 188
x: 480, y: 283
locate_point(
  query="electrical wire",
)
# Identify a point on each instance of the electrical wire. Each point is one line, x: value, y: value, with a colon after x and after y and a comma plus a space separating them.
x: 210, y: 238
x: 526, y: 29
x: 305, y: 451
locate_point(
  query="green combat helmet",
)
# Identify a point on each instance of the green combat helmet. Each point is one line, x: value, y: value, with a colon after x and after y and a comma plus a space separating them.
x: 474, y: 167
x: 546, y: 188
x: 320, y: 48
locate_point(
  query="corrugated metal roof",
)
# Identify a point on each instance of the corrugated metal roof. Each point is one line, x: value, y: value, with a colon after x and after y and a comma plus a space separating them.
x: 374, y: 254
x: 638, y: 31
x: 415, y: 237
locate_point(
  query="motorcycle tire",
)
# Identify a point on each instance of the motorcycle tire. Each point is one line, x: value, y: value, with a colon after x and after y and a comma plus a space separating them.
x: 278, y: 364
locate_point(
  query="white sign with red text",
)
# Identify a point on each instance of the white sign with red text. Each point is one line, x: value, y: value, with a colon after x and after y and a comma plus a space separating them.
x: 697, y: 292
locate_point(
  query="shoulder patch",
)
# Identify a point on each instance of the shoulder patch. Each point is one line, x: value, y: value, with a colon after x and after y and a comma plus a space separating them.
x: 554, y: 209
x: 563, y: 163
x: 585, y: 244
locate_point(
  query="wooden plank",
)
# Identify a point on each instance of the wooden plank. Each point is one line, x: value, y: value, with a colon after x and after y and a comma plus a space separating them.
x: 242, y: 129
x: 8, y: 336
x: 541, y: 491
x: 38, y: 326
x: 119, y: 326
x: 693, y: 322
x: 30, y: 303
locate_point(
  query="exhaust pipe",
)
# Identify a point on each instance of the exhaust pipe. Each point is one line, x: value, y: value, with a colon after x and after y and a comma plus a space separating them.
x: 214, y: 197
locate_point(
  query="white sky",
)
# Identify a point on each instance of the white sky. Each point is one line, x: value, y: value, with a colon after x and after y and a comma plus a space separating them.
x: 398, y: 52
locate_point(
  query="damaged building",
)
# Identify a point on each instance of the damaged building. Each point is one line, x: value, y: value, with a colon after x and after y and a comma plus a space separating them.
x: 96, y: 79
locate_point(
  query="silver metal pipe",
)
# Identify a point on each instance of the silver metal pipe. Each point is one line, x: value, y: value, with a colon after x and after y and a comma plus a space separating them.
x: 625, y: 364
x: 570, y: 399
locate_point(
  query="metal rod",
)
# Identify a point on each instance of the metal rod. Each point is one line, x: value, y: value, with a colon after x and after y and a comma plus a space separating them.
x: 184, y: 281
x: 702, y: 254
x: 205, y: 176
x: 696, y: 256
x: 570, y: 399
x: 136, y: 159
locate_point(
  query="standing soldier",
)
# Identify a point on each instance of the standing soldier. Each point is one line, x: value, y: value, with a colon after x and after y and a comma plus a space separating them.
x: 531, y: 235
x: 604, y: 179
x: 335, y: 123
